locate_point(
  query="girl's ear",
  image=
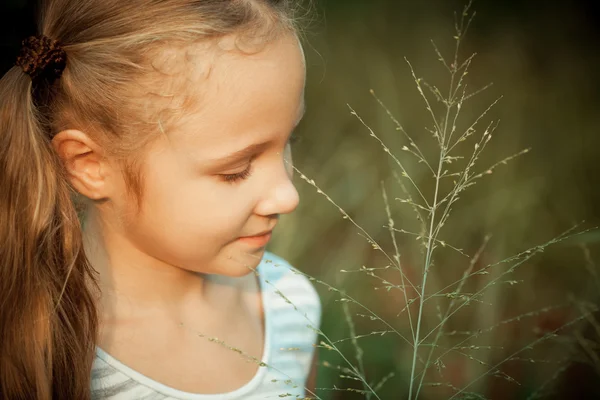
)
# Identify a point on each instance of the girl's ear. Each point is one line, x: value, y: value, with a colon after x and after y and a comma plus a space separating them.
x: 87, y: 169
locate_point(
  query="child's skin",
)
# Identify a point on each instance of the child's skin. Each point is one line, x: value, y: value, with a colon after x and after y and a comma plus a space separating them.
x: 179, y: 260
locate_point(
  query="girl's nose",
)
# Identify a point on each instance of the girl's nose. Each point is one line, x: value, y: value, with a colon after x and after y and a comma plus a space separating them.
x: 281, y: 197
x: 284, y: 199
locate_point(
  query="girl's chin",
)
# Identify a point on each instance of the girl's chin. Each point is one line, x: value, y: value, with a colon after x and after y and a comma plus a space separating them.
x: 241, y: 263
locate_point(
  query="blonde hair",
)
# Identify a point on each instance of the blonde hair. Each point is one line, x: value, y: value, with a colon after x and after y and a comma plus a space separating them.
x: 48, y: 315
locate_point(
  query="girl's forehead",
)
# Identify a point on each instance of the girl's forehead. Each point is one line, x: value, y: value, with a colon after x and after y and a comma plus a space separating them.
x: 236, y: 93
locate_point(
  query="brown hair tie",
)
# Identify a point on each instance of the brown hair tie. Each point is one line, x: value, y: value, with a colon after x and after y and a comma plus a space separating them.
x: 41, y: 56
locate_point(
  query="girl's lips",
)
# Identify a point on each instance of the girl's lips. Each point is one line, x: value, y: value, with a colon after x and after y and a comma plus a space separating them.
x: 256, y: 241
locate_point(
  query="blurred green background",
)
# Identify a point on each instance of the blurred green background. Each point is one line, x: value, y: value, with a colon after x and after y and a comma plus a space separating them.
x: 542, y: 58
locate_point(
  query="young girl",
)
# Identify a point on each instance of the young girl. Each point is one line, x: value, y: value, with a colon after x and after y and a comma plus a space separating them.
x: 168, y: 121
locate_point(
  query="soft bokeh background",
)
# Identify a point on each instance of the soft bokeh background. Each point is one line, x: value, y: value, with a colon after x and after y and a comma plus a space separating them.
x: 542, y: 58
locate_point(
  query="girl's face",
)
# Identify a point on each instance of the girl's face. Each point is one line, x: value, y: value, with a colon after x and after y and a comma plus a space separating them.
x: 225, y: 172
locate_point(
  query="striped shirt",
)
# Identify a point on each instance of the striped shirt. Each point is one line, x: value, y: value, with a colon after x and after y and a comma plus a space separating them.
x: 292, y: 311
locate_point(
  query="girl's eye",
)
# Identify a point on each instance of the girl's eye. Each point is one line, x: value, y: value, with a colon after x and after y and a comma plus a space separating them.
x: 239, y: 176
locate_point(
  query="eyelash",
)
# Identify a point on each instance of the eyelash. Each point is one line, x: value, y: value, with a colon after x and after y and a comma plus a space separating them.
x: 240, y: 176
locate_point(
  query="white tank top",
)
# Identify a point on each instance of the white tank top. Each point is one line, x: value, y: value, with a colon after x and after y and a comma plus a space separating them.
x: 287, y: 351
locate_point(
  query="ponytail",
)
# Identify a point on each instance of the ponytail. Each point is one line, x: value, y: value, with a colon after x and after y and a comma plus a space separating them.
x: 48, y: 316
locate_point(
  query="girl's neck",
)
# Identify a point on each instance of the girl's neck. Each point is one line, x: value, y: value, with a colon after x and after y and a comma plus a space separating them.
x: 135, y: 283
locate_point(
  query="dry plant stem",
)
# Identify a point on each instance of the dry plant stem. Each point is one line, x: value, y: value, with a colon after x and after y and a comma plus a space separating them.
x: 384, y: 380
x: 260, y: 363
x: 442, y: 242
x: 489, y: 329
x: 369, y: 272
x: 433, y: 231
x: 502, y: 162
x: 528, y: 254
x: 345, y: 215
x: 359, y: 351
x: 364, y: 234
x: 374, y: 333
x: 430, y: 247
x: 399, y: 127
x: 529, y: 346
x: 440, y: 331
x: 468, y: 395
x: 425, y: 274
x: 417, y: 211
x: 590, y: 352
x: 388, y: 151
x: 330, y: 345
x: 592, y: 321
x: 471, y: 129
x: 590, y: 266
x: 538, y: 393
x: 478, y: 293
x: 397, y: 255
x: 463, y: 182
x: 351, y: 299
x: 444, y: 137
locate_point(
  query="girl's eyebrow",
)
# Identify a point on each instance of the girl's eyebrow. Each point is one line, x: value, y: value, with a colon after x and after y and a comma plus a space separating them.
x: 238, y: 155
x: 249, y: 151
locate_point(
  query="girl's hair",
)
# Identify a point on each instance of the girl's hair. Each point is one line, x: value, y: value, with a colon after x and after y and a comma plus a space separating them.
x: 48, y: 289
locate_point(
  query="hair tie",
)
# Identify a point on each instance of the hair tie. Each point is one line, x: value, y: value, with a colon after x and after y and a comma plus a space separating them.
x: 41, y: 56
